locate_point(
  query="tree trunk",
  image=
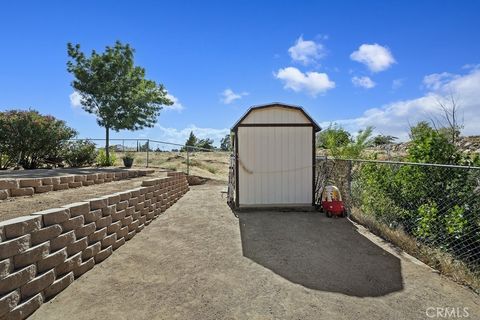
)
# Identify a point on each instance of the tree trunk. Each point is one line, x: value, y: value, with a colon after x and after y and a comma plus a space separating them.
x: 107, y: 144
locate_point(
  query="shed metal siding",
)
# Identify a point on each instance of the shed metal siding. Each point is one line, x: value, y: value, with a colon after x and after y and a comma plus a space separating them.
x: 275, y: 115
x: 275, y: 163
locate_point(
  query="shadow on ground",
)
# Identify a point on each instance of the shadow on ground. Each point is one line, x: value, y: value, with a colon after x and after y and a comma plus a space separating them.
x: 319, y: 253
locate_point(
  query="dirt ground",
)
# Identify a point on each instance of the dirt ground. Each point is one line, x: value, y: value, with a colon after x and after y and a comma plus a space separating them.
x: 212, y: 165
x: 19, y: 206
x: 199, y: 261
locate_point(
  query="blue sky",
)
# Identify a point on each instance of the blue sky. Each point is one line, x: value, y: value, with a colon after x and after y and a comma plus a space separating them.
x: 380, y: 63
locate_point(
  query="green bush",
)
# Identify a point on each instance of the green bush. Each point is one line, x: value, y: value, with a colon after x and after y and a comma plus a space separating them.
x: 428, y: 220
x: 80, y: 153
x: 102, y: 160
x: 341, y: 144
x: 455, y: 221
x: 129, y: 155
x: 333, y: 137
x: 30, y: 139
x: 437, y: 205
x: 5, y: 161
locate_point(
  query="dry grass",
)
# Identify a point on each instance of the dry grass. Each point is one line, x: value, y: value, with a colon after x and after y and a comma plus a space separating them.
x: 434, y: 257
x: 212, y: 165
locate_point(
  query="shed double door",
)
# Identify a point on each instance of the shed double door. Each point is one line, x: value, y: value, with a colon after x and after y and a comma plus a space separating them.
x: 275, y: 166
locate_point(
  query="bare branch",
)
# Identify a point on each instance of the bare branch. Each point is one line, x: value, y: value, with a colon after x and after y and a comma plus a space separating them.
x: 449, y: 107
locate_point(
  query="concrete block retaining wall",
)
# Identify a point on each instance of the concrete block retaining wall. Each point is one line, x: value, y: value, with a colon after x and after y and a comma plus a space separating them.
x: 30, y: 186
x: 43, y: 253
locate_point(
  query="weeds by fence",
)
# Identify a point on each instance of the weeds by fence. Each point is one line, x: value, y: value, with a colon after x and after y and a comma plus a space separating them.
x: 431, y: 211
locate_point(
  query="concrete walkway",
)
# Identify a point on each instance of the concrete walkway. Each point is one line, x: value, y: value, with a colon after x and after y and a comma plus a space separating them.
x: 198, y: 261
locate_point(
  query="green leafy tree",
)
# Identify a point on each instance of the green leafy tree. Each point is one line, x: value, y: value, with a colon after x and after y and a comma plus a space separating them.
x: 357, y: 146
x: 381, y: 140
x: 333, y: 137
x: 115, y: 90
x: 225, y: 143
x: 431, y: 146
x: 205, y: 144
x: 192, y: 140
x: 341, y: 144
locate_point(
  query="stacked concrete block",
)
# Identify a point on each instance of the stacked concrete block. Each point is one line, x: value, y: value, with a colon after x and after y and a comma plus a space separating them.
x: 42, y: 254
x: 30, y: 186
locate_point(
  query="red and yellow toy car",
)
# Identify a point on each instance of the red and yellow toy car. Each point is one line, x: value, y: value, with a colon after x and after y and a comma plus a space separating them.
x: 332, y: 203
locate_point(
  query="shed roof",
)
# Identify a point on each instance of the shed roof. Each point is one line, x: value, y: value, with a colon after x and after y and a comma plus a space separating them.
x: 316, y: 127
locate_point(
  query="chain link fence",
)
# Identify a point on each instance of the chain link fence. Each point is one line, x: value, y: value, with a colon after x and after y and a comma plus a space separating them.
x: 431, y: 211
x: 169, y: 156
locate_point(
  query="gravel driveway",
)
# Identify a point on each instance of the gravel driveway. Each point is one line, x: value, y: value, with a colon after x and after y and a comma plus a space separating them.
x: 198, y: 261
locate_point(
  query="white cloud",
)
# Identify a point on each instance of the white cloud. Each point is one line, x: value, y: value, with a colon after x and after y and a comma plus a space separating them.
x: 435, y: 81
x: 228, y: 96
x: 397, y: 83
x: 364, y: 82
x: 75, y: 99
x: 394, y: 118
x: 306, y: 51
x: 180, y: 135
x: 176, y: 106
x: 471, y: 66
x: 311, y: 82
x: 376, y: 57
x: 322, y: 36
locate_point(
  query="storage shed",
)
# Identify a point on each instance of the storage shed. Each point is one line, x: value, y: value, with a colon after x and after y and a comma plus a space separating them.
x: 273, y: 158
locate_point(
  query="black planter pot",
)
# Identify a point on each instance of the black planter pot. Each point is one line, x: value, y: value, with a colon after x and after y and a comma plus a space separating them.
x: 128, y: 162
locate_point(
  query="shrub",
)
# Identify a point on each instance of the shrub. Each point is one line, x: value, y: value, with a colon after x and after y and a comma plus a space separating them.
x: 5, y: 161
x: 342, y: 145
x: 103, y: 161
x: 80, y: 153
x: 430, y: 145
x: 129, y: 155
x: 436, y: 205
x: 333, y: 137
x: 427, y: 225
x: 30, y: 139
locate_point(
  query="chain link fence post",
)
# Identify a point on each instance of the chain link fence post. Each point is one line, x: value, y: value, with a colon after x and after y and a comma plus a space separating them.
x: 188, y: 160
x: 348, y: 185
x: 148, y: 149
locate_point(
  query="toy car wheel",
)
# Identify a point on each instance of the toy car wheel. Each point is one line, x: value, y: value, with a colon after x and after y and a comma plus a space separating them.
x: 328, y: 214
